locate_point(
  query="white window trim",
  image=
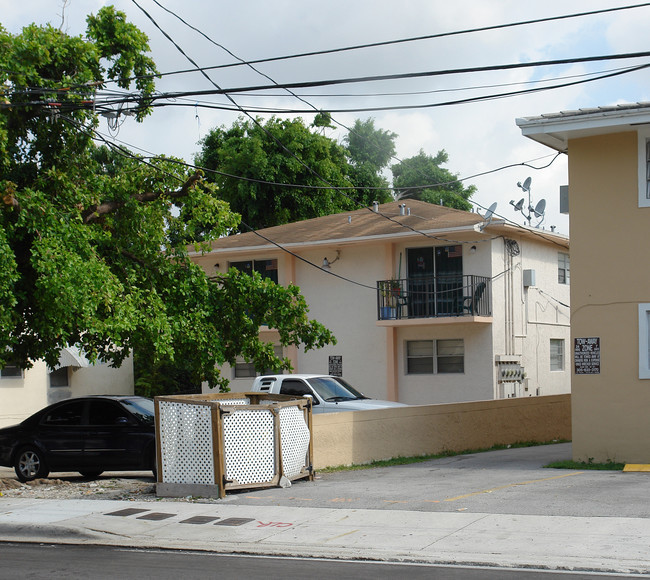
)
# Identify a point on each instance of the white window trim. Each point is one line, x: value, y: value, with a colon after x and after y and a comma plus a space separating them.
x: 643, y: 137
x: 644, y: 340
x: 562, y: 355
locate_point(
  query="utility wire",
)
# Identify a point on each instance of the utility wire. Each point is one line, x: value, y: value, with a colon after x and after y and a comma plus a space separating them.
x: 415, y: 75
x: 407, y: 40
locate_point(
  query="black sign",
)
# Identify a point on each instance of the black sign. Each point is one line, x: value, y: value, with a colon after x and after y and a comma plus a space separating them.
x: 336, y: 366
x: 586, y: 356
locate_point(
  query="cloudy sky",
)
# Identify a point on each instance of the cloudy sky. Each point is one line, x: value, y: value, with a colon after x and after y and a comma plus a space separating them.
x: 480, y: 137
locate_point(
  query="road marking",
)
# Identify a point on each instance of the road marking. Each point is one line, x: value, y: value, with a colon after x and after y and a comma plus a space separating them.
x: 394, y: 501
x: 513, y: 485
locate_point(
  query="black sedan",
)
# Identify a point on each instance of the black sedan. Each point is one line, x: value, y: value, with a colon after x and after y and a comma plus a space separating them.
x: 85, y: 434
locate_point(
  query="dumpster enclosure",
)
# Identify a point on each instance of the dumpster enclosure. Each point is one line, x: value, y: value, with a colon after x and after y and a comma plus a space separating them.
x: 207, y: 444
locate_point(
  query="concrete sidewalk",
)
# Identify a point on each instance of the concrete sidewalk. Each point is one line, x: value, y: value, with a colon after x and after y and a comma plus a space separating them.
x: 483, y: 529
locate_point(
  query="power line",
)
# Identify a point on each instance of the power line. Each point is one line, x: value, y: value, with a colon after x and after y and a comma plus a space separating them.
x: 404, y: 40
x: 423, y: 74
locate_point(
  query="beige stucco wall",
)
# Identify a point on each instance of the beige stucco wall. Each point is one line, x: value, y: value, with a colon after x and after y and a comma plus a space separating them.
x: 20, y: 398
x: 365, y: 436
x: 374, y: 354
x: 609, y: 278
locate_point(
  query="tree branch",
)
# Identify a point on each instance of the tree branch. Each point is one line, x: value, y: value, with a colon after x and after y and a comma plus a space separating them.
x: 95, y: 212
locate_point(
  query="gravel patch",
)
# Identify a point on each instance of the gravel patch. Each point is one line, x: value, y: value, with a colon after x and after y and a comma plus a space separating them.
x: 117, y: 488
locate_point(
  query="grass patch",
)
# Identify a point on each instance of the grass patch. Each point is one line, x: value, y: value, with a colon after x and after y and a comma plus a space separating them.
x: 590, y: 464
x: 421, y: 458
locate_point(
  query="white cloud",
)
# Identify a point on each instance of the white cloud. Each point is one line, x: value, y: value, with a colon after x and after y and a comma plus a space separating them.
x: 478, y: 137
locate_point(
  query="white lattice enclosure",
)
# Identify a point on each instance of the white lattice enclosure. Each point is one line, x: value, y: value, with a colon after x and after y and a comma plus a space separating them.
x: 232, y: 440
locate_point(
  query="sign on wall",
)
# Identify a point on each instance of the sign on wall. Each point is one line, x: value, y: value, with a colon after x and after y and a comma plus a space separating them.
x: 586, y: 356
x: 336, y: 366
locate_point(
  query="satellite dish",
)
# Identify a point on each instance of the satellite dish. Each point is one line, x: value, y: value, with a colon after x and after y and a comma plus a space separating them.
x: 490, y: 211
x: 519, y: 204
x: 488, y: 216
x: 526, y: 184
x: 540, y: 208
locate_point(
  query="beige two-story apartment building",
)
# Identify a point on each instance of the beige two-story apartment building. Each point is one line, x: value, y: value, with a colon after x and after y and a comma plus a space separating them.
x: 428, y: 304
x: 609, y: 201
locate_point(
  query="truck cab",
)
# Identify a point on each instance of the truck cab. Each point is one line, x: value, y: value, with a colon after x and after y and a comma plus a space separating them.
x: 329, y: 394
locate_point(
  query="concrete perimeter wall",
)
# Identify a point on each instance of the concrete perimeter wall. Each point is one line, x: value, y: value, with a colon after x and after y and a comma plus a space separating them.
x: 364, y: 436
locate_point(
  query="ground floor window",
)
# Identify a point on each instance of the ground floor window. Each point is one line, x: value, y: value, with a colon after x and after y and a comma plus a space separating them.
x: 644, y: 340
x: 59, y: 377
x: 557, y: 354
x: 11, y: 372
x: 435, y: 356
x: 244, y: 370
x: 266, y: 268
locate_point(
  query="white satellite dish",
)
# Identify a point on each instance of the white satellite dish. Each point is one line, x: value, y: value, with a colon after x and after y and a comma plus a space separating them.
x: 490, y: 211
x: 540, y: 208
x: 526, y: 184
x: 488, y: 216
x: 517, y: 205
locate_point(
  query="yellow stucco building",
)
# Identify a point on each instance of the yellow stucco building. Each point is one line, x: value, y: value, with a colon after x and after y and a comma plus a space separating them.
x: 609, y: 198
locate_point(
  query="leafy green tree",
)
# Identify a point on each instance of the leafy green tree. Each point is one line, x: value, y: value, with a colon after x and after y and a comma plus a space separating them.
x: 94, y: 241
x: 422, y: 177
x: 265, y: 157
x: 370, y: 150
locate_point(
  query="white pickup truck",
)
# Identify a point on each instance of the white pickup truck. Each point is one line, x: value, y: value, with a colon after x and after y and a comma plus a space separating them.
x: 329, y: 394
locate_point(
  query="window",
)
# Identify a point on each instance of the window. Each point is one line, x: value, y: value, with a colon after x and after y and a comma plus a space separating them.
x: 435, y: 356
x: 11, y: 372
x: 557, y: 354
x: 66, y: 415
x: 644, y: 340
x: 59, y: 377
x: 247, y: 370
x: 451, y: 356
x: 644, y: 167
x: 563, y: 268
x: 266, y: 268
x: 106, y: 413
x: 419, y: 357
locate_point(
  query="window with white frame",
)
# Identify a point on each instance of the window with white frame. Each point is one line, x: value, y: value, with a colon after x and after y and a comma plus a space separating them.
x: 244, y: 370
x: 557, y: 354
x: 644, y: 166
x: 563, y: 268
x: 435, y: 356
x: 644, y: 340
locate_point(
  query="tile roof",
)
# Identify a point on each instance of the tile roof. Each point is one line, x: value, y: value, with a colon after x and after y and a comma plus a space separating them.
x: 623, y: 108
x: 355, y: 225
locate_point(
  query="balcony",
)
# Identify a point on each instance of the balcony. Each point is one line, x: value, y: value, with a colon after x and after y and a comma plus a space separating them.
x: 440, y: 297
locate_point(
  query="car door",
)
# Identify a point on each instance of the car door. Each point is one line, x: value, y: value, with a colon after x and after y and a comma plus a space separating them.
x: 112, y: 440
x: 61, y: 435
x: 298, y: 388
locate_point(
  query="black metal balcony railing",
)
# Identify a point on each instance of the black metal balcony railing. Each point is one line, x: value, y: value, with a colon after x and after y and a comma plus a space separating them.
x: 434, y: 296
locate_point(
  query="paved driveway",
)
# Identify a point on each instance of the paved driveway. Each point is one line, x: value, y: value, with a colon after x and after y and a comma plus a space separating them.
x: 510, y: 481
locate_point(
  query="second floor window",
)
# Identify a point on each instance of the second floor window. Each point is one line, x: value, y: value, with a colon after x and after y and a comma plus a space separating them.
x: 557, y: 354
x: 563, y: 268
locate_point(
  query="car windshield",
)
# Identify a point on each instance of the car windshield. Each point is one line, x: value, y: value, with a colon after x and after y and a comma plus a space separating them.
x: 142, y: 408
x: 334, y: 389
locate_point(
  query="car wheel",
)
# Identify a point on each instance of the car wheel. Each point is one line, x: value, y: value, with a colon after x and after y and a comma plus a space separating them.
x: 91, y: 474
x: 30, y: 464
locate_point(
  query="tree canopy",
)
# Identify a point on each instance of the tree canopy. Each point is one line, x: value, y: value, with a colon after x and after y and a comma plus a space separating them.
x: 370, y: 149
x: 265, y: 157
x: 422, y: 177
x: 94, y: 240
